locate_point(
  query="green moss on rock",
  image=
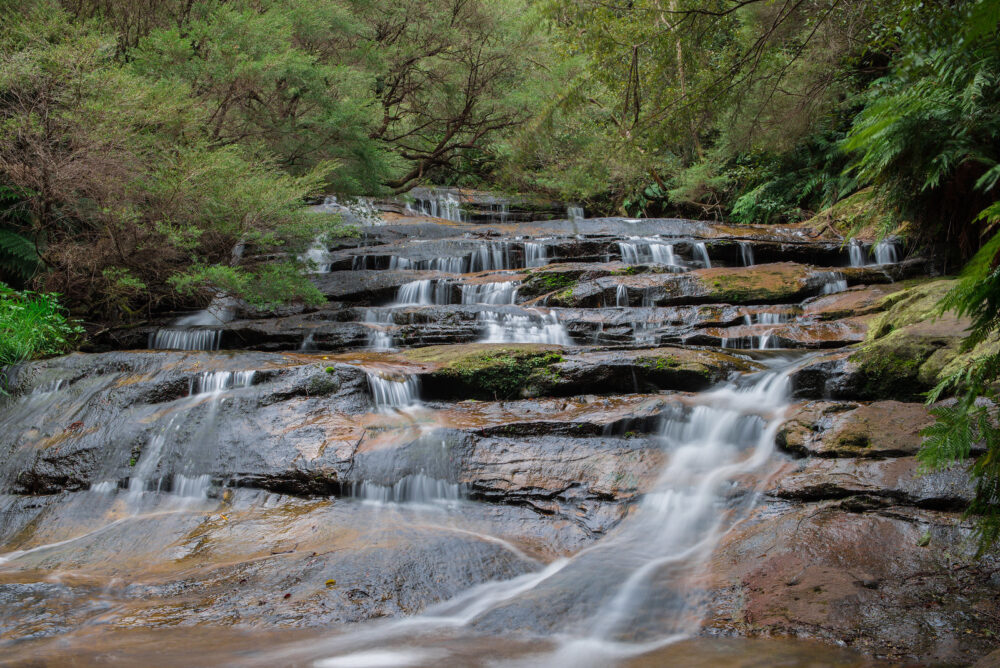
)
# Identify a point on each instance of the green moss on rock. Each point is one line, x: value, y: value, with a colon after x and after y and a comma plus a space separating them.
x: 491, y: 371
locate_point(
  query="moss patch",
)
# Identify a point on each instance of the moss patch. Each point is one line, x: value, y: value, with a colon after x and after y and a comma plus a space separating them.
x: 490, y: 371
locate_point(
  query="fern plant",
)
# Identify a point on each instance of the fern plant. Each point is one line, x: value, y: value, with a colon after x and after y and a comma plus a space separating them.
x: 19, y: 260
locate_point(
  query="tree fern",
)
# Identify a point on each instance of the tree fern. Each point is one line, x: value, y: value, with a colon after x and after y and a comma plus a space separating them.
x: 18, y: 259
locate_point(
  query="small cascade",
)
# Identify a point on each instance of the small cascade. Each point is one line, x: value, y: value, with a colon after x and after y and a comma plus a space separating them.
x: 768, y: 318
x: 437, y: 203
x: 414, y: 488
x: 574, y: 212
x: 621, y: 295
x: 490, y: 293
x: 318, y: 256
x: 308, y: 343
x: 214, y: 382
x: 490, y: 257
x: 702, y: 251
x: 535, y: 255
x: 379, y: 332
x: 390, y: 393
x: 181, y: 337
x: 746, y: 254
x: 832, y: 282
x: 857, y: 253
x: 886, y: 252
x: 191, y: 487
x: 185, y: 339
x: 514, y: 328
x: 358, y: 211
x: 638, y: 250
x: 423, y: 293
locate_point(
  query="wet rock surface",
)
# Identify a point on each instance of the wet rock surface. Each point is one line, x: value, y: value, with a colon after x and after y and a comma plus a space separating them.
x: 481, y: 398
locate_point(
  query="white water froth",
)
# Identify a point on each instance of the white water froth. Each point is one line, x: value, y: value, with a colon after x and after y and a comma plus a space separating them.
x: 498, y: 293
x: 423, y: 293
x: 575, y: 212
x: 391, y: 393
x: 746, y: 254
x: 214, y: 382
x: 379, y: 323
x: 639, y: 250
x: 185, y: 339
x: 702, y: 252
x: 884, y: 252
x: 658, y: 551
x: 535, y: 255
x: 513, y: 328
x: 414, y: 488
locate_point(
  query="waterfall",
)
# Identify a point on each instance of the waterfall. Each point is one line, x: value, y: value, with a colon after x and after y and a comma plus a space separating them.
x: 413, y: 488
x: 832, y: 282
x: 621, y: 295
x: 212, y: 382
x: 535, y: 255
x: 636, y: 590
x: 318, y: 256
x: 379, y: 332
x: 490, y: 293
x: 423, y: 293
x: 885, y: 252
x: 308, y: 343
x: 638, y: 250
x: 746, y: 254
x: 574, y: 212
x: 185, y: 339
x: 514, y: 328
x: 438, y: 204
x: 389, y: 393
x: 857, y: 253
x: 221, y: 310
x: 770, y: 318
x: 702, y: 253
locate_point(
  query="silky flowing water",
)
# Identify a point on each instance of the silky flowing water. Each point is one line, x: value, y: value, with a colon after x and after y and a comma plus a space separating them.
x: 111, y: 573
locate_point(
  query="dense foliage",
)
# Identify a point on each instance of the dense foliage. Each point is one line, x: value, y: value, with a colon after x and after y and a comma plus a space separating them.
x: 154, y: 153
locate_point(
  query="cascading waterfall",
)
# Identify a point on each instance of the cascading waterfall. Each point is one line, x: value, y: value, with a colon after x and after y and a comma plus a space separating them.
x: 535, y: 255
x: 423, y: 293
x: 213, y: 382
x: 574, y: 212
x: 702, y: 251
x: 641, y: 251
x: 380, y: 322
x: 392, y: 393
x: 885, y: 252
x: 535, y: 327
x: 746, y: 254
x: 621, y: 295
x: 490, y: 293
x: 318, y: 256
x: 637, y: 589
x: 185, y: 339
x: 856, y: 251
x: 414, y: 488
x: 832, y: 282
x: 180, y: 337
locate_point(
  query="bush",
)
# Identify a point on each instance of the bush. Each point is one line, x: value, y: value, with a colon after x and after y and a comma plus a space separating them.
x: 33, y: 325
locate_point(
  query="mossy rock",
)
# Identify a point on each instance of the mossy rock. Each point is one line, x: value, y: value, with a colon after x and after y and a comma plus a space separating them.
x: 489, y: 371
x: 910, y: 345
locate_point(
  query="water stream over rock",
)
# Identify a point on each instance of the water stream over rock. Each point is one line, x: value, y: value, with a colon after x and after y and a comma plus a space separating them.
x: 506, y: 441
